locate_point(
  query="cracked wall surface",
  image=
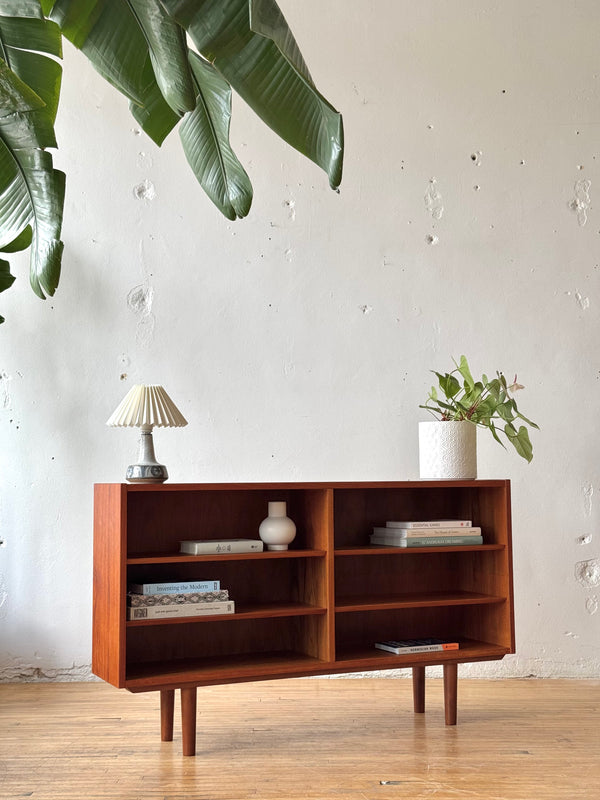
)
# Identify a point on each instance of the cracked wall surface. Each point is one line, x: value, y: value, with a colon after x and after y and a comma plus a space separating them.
x: 299, y: 342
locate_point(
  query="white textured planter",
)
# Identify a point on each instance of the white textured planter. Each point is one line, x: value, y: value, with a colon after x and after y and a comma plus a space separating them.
x: 447, y: 450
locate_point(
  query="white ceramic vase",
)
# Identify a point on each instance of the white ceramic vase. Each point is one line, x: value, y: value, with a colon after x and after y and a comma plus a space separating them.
x: 447, y: 450
x: 277, y: 530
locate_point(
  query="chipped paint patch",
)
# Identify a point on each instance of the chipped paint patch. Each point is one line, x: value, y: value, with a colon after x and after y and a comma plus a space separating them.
x: 591, y: 605
x: 291, y: 208
x: 144, y: 190
x: 587, y: 573
x: 139, y: 300
x: 144, y: 160
x: 433, y: 200
x: 581, y: 202
x: 585, y: 539
x: 5, y: 398
x: 582, y: 302
x: 476, y: 158
x: 432, y: 239
x: 28, y: 673
x: 588, y: 491
x: 366, y: 309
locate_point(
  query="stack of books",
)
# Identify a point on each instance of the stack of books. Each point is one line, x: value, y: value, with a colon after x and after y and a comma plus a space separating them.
x: 180, y: 599
x: 427, y: 533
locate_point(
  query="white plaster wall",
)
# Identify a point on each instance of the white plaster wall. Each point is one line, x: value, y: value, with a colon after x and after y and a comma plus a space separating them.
x: 298, y: 342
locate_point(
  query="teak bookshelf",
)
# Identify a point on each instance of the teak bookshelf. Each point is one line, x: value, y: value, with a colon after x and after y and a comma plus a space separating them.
x: 315, y: 609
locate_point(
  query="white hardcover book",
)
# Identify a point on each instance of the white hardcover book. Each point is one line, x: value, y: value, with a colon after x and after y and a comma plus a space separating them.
x: 181, y: 610
x: 203, y: 546
x: 426, y: 541
x: 408, y: 533
x: 430, y: 523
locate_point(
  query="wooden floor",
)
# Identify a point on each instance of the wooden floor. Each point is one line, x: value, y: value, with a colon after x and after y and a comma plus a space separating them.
x: 313, y: 739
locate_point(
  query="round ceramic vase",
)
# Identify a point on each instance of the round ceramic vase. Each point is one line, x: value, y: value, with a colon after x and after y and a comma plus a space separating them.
x: 447, y: 450
x: 277, y: 530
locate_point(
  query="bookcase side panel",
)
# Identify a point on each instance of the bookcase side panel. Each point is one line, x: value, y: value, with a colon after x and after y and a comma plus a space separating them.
x: 318, y: 634
x: 108, y: 615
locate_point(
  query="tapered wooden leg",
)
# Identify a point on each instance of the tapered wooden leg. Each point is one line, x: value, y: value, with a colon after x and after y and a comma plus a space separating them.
x: 167, y: 709
x: 188, y: 721
x: 450, y: 692
x: 418, y: 676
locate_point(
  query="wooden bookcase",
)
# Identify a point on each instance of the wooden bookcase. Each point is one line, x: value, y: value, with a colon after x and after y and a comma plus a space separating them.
x: 315, y: 609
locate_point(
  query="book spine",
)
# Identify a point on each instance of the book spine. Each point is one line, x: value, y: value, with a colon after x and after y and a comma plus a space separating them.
x: 408, y: 533
x: 431, y: 523
x: 203, y: 548
x: 418, y: 648
x: 183, y: 610
x: 175, y: 588
x: 403, y: 533
x: 428, y: 541
x: 135, y: 600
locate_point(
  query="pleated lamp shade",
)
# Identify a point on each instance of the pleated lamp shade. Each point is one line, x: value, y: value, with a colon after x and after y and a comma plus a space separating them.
x: 147, y: 405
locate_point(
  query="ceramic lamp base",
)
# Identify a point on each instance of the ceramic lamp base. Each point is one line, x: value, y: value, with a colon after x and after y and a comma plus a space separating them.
x: 146, y: 473
x: 147, y: 470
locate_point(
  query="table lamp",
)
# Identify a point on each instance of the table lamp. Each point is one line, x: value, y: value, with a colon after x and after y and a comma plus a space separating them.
x: 144, y: 407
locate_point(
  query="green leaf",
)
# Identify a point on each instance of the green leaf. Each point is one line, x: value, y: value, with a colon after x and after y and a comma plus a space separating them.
x: 120, y: 36
x: 492, y: 428
x: 155, y: 115
x: 6, y: 279
x: 110, y: 36
x: 451, y: 386
x: 31, y: 191
x: 520, y: 440
x: 21, y: 242
x: 205, y: 138
x: 168, y: 54
x: 19, y: 37
x: 463, y: 368
x: 260, y: 61
x: 505, y: 411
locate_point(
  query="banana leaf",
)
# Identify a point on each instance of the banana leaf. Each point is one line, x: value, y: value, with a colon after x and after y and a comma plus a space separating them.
x: 204, y: 135
x: 120, y: 36
x: 205, y: 138
x: 6, y: 279
x: 31, y: 190
x: 250, y: 44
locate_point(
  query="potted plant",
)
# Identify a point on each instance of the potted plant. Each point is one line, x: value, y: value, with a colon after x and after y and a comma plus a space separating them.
x: 448, y: 445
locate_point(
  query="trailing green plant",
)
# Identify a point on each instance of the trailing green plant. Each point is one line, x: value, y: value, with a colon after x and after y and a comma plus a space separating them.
x: 142, y: 48
x: 487, y: 403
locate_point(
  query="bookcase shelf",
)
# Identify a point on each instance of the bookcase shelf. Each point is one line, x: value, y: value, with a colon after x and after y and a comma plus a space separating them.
x: 178, y: 558
x: 365, y: 602
x: 241, y: 612
x: 377, y: 550
x: 315, y: 609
